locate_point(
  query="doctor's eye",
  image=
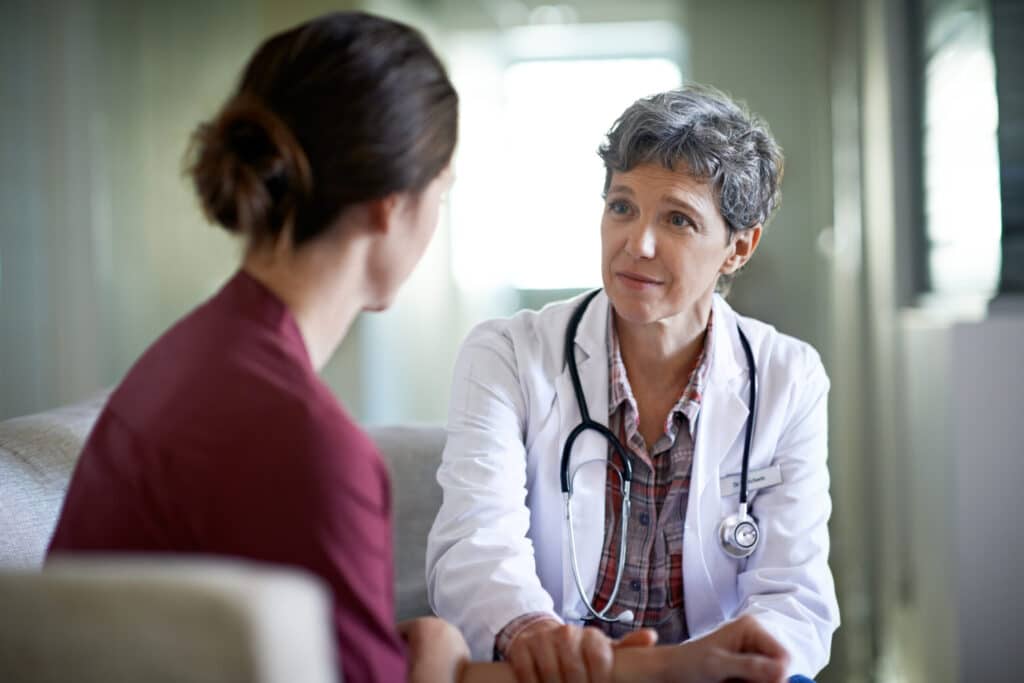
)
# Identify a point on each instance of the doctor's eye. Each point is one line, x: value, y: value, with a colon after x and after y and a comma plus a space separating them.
x: 619, y: 207
x: 680, y: 220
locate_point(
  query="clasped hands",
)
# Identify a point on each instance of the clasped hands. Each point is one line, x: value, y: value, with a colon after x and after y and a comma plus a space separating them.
x: 547, y: 651
x: 550, y: 652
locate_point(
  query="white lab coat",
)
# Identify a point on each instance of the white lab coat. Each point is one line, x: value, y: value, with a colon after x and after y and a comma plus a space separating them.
x: 499, y: 546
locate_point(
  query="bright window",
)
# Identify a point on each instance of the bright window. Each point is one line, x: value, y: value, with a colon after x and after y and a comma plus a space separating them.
x: 962, y: 201
x: 527, y: 206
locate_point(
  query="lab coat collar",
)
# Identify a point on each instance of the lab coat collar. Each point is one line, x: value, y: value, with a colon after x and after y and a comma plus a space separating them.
x: 727, y: 360
x: 726, y: 364
x: 591, y: 334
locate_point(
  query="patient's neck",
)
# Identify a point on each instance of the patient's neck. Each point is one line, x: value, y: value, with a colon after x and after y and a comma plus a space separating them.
x: 323, y: 284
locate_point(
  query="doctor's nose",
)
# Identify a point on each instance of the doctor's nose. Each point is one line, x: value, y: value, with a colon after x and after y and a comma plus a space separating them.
x: 640, y: 240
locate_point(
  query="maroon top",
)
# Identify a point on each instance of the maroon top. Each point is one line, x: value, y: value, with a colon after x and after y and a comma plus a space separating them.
x: 223, y: 440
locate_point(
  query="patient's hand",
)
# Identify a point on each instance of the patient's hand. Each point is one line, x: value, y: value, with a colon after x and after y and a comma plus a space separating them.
x: 437, y: 651
x: 548, y: 651
x: 739, y: 649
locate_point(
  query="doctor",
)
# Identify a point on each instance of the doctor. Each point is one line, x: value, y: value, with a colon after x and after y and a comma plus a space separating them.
x: 594, y: 469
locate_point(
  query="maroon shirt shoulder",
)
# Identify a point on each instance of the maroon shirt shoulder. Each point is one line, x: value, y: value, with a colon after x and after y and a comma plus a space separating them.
x: 223, y: 440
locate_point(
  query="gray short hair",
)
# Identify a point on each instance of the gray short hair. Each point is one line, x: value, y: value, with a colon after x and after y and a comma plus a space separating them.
x: 717, y: 139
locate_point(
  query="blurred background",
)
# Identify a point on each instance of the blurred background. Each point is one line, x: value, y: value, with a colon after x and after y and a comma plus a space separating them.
x: 898, y: 251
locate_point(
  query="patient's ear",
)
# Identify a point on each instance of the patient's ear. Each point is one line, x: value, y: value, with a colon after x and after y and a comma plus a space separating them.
x: 383, y: 213
x: 743, y: 244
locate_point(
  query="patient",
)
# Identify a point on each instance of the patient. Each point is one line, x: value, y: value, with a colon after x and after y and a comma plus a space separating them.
x: 330, y: 161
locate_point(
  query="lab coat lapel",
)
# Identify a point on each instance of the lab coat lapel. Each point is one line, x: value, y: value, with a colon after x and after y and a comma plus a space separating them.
x: 723, y: 412
x: 722, y: 418
x: 589, y: 483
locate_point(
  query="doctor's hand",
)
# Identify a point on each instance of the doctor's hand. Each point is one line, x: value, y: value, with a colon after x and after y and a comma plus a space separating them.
x: 739, y: 649
x: 547, y: 651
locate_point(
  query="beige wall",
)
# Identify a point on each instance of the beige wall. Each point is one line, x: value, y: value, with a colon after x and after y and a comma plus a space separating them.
x: 101, y: 242
x: 775, y: 56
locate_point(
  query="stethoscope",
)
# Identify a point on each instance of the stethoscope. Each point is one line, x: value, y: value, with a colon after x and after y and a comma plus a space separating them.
x: 738, y: 533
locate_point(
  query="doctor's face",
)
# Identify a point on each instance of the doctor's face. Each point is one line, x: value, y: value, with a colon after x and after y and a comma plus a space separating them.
x: 664, y: 244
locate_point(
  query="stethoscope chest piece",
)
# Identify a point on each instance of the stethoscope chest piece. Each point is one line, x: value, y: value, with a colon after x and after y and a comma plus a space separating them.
x: 739, y: 535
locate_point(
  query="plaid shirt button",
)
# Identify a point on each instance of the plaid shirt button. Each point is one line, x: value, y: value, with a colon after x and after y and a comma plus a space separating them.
x: 645, y: 518
x: 635, y: 584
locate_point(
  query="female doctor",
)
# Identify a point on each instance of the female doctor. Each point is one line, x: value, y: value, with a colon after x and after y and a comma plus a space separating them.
x: 643, y: 457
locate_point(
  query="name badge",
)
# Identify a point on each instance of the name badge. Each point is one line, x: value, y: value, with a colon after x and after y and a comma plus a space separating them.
x: 756, y: 479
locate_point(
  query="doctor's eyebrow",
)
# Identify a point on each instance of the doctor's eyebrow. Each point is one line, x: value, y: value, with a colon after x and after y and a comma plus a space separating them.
x: 621, y: 189
x: 683, y: 204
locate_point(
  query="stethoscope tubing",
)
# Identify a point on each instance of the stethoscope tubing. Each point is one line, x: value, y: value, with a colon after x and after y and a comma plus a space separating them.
x: 585, y: 422
x: 626, y: 474
x: 748, y: 437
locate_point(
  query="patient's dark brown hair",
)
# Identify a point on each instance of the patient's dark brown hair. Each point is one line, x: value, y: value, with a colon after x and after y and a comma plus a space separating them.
x: 345, y: 108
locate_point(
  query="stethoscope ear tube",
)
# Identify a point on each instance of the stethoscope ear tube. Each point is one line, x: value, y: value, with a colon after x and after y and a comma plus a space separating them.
x: 570, y: 354
x: 585, y: 421
x: 748, y: 437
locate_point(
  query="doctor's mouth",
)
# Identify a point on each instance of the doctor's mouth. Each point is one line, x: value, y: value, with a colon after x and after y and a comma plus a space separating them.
x: 637, y: 281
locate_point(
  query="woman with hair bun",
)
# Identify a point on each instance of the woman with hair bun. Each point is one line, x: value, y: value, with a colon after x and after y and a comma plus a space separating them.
x: 330, y: 160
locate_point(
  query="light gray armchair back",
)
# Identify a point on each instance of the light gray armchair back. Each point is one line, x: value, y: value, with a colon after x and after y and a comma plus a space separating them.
x: 38, y: 454
x: 413, y: 455
x: 108, y: 620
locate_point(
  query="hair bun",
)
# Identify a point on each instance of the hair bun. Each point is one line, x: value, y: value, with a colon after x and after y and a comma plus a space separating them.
x: 249, y: 171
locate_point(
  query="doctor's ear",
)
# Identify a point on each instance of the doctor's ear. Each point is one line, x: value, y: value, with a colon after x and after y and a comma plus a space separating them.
x: 743, y: 244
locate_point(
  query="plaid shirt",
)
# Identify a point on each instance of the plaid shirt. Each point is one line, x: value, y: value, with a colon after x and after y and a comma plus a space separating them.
x: 652, y: 582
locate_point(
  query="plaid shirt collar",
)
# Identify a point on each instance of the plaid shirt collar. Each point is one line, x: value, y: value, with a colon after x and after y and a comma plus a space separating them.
x: 689, y: 402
